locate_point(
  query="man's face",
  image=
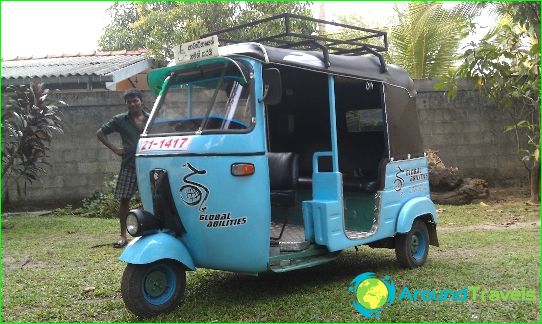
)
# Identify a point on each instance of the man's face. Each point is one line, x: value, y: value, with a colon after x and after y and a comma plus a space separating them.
x: 133, y: 103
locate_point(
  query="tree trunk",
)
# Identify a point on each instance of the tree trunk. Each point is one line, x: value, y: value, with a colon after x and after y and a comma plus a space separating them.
x: 470, y: 190
x: 535, y: 183
x: 447, y: 185
x: 444, y: 179
x: 5, y: 193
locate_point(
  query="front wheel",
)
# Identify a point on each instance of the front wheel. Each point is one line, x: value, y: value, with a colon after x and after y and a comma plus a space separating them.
x: 411, y: 248
x: 154, y: 288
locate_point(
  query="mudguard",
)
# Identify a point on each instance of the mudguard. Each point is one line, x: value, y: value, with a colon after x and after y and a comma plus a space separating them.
x: 413, y: 208
x: 150, y: 248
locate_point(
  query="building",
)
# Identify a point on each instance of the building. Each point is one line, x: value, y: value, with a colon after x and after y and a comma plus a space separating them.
x: 112, y: 70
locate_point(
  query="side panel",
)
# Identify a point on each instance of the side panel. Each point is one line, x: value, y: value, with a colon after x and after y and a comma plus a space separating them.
x: 406, y: 180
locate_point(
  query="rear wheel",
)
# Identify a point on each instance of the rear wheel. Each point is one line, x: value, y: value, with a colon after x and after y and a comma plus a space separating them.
x: 411, y: 248
x: 152, y: 289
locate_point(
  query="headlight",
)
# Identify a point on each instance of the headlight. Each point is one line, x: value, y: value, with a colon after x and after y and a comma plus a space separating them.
x: 132, y: 225
x: 140, y: 222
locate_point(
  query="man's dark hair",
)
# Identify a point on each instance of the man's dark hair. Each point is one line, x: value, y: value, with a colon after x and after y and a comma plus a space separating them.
x: 133, y: 93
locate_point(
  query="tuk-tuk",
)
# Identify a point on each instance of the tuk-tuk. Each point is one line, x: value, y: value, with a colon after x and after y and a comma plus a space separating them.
x: 263, y: 158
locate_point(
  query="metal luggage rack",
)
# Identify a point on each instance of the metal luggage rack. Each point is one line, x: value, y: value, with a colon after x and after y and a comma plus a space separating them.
x: 300, y: 32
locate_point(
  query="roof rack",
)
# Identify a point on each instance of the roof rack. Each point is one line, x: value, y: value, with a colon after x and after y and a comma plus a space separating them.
x: 300, y: 32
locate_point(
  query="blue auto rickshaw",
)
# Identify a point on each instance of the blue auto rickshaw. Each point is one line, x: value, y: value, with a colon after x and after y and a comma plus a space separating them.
x: 261, y: 158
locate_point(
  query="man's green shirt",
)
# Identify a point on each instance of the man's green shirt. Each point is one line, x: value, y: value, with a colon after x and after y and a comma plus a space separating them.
x: 123, y: 124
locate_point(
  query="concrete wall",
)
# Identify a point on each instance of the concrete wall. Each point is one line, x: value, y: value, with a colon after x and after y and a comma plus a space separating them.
x: 80, y: 163
x: 467, y: 133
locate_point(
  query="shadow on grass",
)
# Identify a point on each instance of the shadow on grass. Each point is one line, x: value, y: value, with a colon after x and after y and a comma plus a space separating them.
x: 272, y: 285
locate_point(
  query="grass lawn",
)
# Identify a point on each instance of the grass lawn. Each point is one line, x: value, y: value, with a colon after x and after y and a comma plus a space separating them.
x: 52, y: 272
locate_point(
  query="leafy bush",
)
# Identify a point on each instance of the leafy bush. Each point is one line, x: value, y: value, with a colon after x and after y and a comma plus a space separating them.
x: 29, y: 121
x: 100, y: 204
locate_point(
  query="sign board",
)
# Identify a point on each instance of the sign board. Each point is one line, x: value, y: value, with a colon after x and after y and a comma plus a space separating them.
x: 196, y: 50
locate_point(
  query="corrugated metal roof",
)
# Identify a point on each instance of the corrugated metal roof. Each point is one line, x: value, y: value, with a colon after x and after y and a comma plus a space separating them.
x: 81, y: 64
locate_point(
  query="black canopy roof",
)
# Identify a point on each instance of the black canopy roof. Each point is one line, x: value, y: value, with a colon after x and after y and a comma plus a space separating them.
x: 358, y: 56
x: 404, y: 137
x: 365, y: 66
x: 295, y: 40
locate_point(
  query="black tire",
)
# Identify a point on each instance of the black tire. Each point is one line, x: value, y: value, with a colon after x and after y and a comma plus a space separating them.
x: 412, y: 248
x: 154, y: 288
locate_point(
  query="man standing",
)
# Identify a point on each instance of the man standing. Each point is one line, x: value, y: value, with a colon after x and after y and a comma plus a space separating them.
x: 129, y: 125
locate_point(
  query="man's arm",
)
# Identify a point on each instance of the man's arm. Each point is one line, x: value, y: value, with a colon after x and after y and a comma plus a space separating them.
x: 105, y: 140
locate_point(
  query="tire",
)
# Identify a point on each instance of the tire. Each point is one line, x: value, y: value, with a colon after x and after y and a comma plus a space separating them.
x: 154, y: 288
x: 411, y: 248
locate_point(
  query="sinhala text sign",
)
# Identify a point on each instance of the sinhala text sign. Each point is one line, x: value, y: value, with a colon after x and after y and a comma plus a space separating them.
x: 196, y: 50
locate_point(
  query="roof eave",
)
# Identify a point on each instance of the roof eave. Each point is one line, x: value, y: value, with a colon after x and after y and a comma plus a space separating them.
x: 58, y: 79
x: 127, y: 72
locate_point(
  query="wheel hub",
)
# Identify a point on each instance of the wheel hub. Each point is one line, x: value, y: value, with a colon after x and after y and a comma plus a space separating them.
x: 156, y: 283
x: 414, y: 244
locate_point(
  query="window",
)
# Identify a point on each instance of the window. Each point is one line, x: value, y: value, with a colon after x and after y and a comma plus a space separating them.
x: 366, y: 120
x: 213, y: 100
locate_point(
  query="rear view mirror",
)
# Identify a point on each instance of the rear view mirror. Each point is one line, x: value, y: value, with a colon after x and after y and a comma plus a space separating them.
x: 272, y: 87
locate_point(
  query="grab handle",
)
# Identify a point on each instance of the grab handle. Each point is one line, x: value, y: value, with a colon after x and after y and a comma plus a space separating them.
x: 315, y: 159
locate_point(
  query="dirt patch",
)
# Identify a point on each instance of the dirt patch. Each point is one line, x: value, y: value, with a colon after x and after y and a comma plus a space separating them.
x: 493, y: 226
x: 448, y: 252
x: 29, y: 213
x: 508, y: 194
x: 9, y: 263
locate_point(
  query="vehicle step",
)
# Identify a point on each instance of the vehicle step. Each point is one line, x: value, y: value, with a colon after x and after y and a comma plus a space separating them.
x: 294, y: 264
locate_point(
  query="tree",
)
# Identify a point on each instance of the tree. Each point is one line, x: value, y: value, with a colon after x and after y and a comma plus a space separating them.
x: 29, y: 121
x: 357, y: 35
x: 427, y: 38
x: 505, y: 66
x: 159, y: 26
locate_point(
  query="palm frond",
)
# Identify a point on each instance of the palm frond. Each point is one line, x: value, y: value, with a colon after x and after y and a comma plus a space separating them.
x: 427, y: 38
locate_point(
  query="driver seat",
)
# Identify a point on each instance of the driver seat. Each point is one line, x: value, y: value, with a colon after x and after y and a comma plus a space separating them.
x: 283, y: 175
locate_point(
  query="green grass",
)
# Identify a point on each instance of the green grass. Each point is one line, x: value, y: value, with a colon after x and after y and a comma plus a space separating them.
x: 492, y: 212
x: 50, y: 272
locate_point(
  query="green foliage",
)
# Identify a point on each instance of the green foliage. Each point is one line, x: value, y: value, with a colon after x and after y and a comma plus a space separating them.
x: 29, y: 121
x: 505, y: 66
x: 426, y: 40
x: 251, y: 11
x: 350, y: 34
x: 101, y: 204
x: 527, y: 15
x: 159, y: 26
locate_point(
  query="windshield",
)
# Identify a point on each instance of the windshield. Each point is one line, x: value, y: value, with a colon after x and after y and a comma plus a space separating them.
x: 209, y: 99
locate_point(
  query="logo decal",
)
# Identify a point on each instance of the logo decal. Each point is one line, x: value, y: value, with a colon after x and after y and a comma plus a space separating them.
x: 399, y: 181
x: 416, y: 174
x: 193, y: 193
x: 371, y: 294
x: 222, y: 220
